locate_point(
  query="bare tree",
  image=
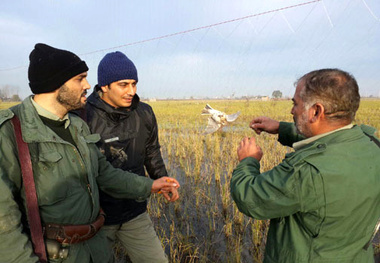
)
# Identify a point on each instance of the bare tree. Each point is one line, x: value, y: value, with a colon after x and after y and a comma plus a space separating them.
x: 7, y: 90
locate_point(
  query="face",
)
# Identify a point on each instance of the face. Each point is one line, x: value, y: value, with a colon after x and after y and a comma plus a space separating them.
x: 300, y: 113
x: 120, y: 93
x: 72, y: 94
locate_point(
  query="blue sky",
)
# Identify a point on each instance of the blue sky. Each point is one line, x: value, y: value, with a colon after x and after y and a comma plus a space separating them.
x: 278, y: 42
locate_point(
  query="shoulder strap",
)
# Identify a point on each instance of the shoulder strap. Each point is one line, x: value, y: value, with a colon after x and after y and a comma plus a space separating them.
x: 373, y: 138
x: 30, y: 193
x: 369, y: 132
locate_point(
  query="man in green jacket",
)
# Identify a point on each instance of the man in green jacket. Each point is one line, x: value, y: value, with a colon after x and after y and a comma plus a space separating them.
x: 68, y: 168
x: 323, y: 199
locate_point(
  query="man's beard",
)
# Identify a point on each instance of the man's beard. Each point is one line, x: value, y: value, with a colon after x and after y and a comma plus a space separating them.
x: 302, y: 125
x: 69, y: 100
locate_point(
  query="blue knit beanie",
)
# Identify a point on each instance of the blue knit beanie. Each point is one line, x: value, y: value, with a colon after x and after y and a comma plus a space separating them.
x: 115, y: 66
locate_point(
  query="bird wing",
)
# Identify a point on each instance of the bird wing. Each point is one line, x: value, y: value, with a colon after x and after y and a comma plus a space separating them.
x: 233, y: 117
x: 206, y: 110
x: 212, y: 126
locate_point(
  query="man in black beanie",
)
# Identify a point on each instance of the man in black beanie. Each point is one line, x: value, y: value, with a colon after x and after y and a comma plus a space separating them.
x: 68, y: 169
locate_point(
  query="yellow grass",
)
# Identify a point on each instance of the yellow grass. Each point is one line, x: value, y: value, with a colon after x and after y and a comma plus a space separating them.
x: 204, y: 225
x: 6, y: 105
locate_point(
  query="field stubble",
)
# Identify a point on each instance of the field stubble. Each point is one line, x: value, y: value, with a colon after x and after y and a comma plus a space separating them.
x: 204, y: 225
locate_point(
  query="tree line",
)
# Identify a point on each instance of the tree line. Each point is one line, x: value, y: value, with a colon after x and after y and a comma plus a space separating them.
x: 9, y: 93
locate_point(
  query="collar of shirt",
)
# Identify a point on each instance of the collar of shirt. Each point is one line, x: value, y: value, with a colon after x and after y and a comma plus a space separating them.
x: 300, y: 144
x: 47, y: 114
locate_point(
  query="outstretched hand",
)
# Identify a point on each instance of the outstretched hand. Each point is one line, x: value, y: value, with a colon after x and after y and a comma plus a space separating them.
x: 266, y: 124
x: 167, y: 186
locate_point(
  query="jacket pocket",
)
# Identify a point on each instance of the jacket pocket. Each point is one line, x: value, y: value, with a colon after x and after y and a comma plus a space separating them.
x: 49, y: 157
x: 52, y: 187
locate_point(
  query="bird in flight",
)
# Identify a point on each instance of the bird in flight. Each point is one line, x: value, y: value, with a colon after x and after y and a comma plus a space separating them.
x: 217, y: 119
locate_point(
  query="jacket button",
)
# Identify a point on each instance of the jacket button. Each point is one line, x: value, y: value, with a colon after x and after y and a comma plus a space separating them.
x: 321, y: 146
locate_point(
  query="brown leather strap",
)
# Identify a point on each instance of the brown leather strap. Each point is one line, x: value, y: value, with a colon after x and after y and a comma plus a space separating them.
x: 30, y: 193
x: 72, y: 234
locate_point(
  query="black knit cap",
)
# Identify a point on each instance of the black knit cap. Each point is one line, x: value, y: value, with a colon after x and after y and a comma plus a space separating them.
x: 50, y: 68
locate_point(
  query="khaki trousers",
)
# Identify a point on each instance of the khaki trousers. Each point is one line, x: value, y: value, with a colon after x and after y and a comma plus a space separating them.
x: 139, y: 239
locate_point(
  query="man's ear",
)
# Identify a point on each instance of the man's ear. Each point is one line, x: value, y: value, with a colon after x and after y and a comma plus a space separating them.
x: 316, y: 112
x: 104, y: 88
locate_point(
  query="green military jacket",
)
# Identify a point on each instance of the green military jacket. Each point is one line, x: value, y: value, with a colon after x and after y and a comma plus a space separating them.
x: 67, y: 180
x: 323, y: 199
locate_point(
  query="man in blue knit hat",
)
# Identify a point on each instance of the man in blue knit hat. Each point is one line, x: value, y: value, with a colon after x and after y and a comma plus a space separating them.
x: 129, y: 140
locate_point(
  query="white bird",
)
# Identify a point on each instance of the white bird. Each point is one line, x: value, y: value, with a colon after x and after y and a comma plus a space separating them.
x: 218, y: 119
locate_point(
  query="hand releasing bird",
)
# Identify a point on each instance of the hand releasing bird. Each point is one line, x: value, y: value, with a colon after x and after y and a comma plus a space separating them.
x: 217, y: 119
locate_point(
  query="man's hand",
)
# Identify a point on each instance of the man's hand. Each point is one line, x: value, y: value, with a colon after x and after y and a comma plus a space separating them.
x: 249, y: 148
x: 167, y: 186
x: 170, y: 194
x: 266, y: 124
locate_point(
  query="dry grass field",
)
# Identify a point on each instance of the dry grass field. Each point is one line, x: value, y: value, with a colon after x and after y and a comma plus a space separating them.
x: 6, y: 105
x: 204, y: 225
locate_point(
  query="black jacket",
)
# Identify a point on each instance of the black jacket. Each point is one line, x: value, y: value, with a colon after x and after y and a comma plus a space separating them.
x: 129, y: 140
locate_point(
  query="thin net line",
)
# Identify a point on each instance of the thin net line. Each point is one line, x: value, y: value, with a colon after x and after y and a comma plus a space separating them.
x: 186, y: 31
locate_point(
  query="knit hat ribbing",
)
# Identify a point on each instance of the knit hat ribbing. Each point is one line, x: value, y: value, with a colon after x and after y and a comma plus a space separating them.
x: 50, y: 68
x: 115, y: 66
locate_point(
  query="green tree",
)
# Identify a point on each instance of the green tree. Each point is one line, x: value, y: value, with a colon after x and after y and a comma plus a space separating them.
x: 277, y: 94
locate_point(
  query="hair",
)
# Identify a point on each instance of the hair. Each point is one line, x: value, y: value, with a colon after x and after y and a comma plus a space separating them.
x: 335, y: 89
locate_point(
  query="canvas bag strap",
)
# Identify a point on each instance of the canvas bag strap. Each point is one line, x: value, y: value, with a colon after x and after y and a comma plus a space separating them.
x: 34, y: 219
